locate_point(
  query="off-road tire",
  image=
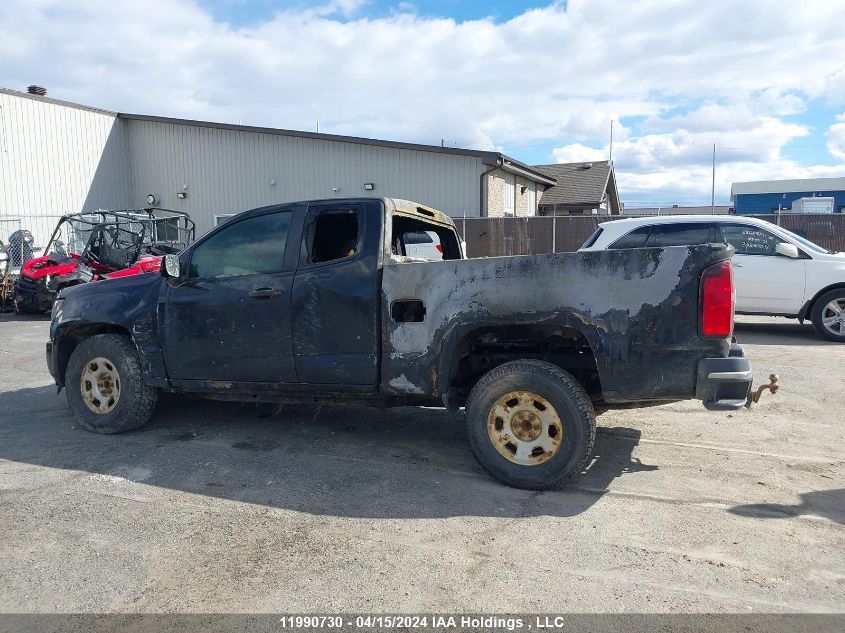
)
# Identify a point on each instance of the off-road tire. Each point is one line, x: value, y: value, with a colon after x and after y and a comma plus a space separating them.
x: 137, y: 400
x: 568, y: 398
x: 816, y: 314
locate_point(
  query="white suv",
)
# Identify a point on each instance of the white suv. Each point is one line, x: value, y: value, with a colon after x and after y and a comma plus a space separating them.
x: 423, y: 245
x: 776, y: 272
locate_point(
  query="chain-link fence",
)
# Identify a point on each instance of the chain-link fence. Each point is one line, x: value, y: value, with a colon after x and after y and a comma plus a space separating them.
x: 40, y: 227
x: 493, y: 237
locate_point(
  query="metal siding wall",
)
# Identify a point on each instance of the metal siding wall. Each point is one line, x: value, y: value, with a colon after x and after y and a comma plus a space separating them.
x: 229, y: 171
x: 55, y: 159
x: 757, y: 203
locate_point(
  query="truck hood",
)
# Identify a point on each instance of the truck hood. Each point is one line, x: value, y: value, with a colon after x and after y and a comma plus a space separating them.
x: 117, y: 291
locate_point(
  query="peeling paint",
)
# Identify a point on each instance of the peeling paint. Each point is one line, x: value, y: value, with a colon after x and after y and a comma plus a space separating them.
x: 403, y: 385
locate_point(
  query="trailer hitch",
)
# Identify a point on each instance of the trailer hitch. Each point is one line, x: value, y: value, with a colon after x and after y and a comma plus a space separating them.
x: 754, y: 396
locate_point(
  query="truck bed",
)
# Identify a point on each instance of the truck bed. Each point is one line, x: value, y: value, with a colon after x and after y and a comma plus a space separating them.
x: 637, y: 309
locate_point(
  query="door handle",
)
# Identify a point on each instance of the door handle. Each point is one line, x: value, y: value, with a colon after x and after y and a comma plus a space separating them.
x: 735, y: 265
x: 265, y: 293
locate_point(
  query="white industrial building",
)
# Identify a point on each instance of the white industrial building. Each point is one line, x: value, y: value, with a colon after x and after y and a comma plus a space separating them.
x: 58, y: 157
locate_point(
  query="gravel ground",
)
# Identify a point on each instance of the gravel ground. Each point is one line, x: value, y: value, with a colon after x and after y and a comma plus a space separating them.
x: 219, y: 507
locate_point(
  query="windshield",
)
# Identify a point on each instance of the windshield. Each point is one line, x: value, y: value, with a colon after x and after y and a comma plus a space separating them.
x: 805, y: 242
x: 72, y: 234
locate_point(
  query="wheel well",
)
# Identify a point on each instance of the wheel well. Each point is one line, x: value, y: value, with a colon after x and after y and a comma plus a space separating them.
x: 807, y: 311
x: 481, y: 350
x: 73, y: 336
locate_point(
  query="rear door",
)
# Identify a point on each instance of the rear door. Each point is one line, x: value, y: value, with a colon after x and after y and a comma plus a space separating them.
x: 228, y: 318
x: 765, y: 282
x: 336, y: 296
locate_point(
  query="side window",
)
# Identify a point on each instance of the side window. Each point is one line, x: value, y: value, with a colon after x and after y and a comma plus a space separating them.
x: 592, y: 239
x: 634, y: 239
x: 166, y: 230
x: 418, y: 239
x: 333, y: 235
x: 681, y: 234
x: 749, y: 240
x: 252, y: 246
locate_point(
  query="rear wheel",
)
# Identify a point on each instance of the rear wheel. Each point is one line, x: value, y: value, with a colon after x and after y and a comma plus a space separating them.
x: 828, y: 315
x: 531, y: 424
x: 104, y: 385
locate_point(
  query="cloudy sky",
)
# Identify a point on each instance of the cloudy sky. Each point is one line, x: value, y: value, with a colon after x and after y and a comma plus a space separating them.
x: 539, y: 81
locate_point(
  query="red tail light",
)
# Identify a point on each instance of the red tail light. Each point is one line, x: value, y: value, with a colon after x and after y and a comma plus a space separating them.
x: 439, y: 248
x: 717, y: 300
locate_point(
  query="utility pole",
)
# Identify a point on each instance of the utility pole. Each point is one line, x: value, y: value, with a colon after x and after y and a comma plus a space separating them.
x: 611, y: 141
x: 713, y: 184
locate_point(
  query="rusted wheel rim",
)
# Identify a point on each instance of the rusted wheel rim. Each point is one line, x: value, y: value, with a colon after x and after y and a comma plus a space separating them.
x: 525, y: 428
x: 100, y: 385
x: 833, y: 316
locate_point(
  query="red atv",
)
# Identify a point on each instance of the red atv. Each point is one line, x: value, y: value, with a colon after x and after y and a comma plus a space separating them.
x: 99, y: 244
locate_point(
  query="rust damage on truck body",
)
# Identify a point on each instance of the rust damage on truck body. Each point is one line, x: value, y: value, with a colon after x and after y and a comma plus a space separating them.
x: 637, y: 309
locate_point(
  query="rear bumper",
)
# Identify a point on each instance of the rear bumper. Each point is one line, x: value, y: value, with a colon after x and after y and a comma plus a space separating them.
x: 723, y: 384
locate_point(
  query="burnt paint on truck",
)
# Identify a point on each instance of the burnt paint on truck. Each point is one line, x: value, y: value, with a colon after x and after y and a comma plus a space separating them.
x: 637, y: 310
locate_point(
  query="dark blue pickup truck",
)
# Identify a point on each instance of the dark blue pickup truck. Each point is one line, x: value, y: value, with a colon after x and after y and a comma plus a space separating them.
x: 320, y: 301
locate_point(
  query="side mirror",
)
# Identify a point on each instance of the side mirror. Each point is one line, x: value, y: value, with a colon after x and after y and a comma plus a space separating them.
x: 170, y: 266
x: 787, y: 250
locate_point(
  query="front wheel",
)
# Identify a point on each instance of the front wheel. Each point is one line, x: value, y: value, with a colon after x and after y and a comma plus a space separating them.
x: 828, y: 315
x: 531, y: 424
x: 104, y: 385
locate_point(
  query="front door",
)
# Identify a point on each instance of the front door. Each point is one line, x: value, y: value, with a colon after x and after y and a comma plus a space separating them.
x: 336, y: 296
x: 228, y: 318
x: 765, y: 282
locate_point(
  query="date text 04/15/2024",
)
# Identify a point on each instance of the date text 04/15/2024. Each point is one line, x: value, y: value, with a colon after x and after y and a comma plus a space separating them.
x: 508, y: 623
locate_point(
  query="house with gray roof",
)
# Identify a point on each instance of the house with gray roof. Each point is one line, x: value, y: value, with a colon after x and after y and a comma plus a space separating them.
x: 585, y: 188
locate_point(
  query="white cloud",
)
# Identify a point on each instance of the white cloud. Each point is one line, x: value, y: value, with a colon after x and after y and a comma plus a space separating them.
x: 676, y: 167
x: 553, y: 75
x: 343, y: 7
x: 691, y: 185
x: 577, y: 153
x: 836, y: 138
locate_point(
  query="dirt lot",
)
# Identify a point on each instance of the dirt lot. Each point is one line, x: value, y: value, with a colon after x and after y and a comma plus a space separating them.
x: 229, y: 508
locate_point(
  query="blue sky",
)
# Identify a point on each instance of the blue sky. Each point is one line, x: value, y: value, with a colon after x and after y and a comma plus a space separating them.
x: 242, y: 13
x: 541, y: 81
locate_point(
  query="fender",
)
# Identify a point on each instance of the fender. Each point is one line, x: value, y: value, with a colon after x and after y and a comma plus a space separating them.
x: 448, y: 358
x: 804, y: 313
x: 128, y: 305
